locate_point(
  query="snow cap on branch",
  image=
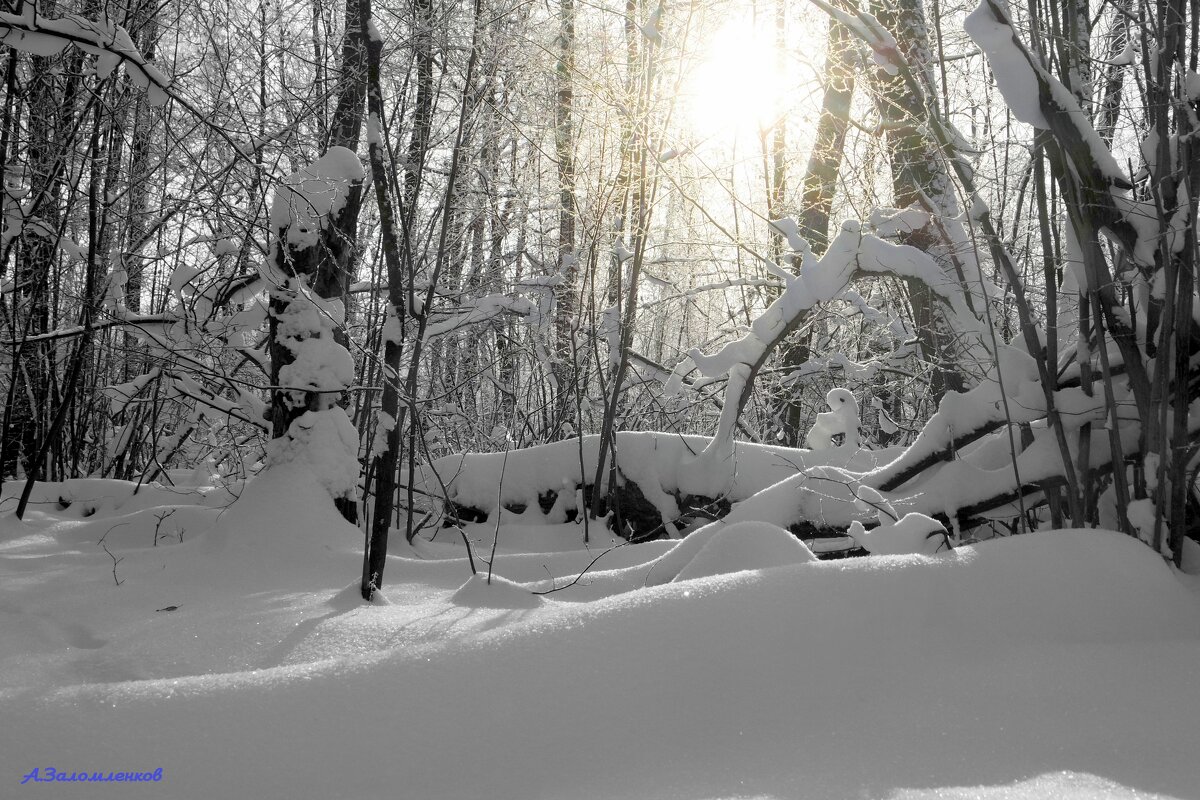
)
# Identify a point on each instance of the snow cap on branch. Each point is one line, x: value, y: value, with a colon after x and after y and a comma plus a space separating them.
x: 841, y: 419
x: 306, y: 201
x: 33, y: 33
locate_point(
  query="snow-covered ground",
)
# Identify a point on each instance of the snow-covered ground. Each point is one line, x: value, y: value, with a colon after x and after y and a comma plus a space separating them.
x: 236, y: 657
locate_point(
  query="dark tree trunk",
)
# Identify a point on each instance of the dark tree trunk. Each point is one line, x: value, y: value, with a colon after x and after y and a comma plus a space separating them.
x: 919, y: 177
x: 818, y: 188
x: 397, y: 249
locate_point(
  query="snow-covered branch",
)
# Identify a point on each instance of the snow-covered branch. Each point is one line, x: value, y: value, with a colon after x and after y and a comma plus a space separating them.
x: 39, y: 35
x: 854, y: 252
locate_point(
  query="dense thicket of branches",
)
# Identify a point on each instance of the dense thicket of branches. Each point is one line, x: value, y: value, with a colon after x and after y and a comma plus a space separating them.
x: 560, y: 208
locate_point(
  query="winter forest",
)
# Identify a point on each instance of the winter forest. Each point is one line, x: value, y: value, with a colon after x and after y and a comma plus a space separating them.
x: 712, y: 399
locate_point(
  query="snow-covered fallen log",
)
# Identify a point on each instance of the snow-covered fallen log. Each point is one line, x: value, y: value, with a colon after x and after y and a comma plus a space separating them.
x: 653, y: 468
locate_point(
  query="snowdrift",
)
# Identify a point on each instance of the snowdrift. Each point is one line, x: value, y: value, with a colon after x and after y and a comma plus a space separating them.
x: 1043, y: 665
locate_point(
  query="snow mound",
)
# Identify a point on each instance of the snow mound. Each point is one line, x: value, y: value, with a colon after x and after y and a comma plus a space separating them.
x: 500, y: 594
x: 912, y: 533
x: 287, y: 511
x: 664, y: 568
x: 745, y: 545
x: 351, y: 597
x: 284, y: 522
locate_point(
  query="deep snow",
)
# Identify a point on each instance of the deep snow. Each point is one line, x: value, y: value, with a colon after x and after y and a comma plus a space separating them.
x: 1062, y: 664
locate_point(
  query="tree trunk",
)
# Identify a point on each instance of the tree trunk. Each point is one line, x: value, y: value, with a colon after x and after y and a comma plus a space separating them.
x: 401, y: 267
x: 818, y: 188
x: 568, y: 258
x: 391, y: 417
x: 919, y: 179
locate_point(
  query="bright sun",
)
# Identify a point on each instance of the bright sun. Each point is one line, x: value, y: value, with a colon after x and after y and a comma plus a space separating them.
x: 735, y: 89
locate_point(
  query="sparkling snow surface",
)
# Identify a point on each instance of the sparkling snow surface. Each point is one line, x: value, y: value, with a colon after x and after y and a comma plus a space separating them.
x: 241, y: 661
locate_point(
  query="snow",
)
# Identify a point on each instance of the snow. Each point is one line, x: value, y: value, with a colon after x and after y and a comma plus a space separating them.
x: 912, y: 533
x: 393, y: 330
x: 321, y: 368
x: 609, y: 330
x: 122, y: 393
x: 871, y: 31
x: 1126, y: 57
x: 652, y: 30
x: 479, y: 592
x: 474, y: 312
x: 32, y: 42
x: 1191, y: 557
x: 327, y: 443
x: 385, y: 423
x: 307, y: 199
x: 659, y: 463
x: 33, y: 33
x: 1021, y: 81
x: 316, y: 191
x: 828, y: 487
x: 818, y: 280
x: 743, y: 546
x: 321, y: 365
x: 1015, y: 78
x: 840, y: 420
x: 1191, y: 86
x: 241, y: 663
